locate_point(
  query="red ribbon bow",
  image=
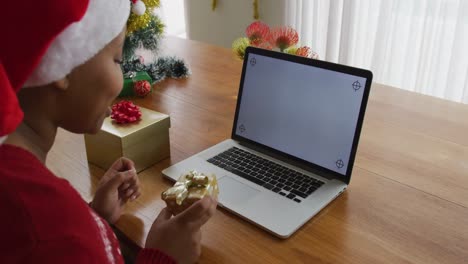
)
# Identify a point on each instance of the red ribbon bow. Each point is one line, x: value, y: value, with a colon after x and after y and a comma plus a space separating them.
x: 125, y: 112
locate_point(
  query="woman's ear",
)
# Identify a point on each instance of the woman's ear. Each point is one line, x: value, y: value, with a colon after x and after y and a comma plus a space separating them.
x: 62, y: 84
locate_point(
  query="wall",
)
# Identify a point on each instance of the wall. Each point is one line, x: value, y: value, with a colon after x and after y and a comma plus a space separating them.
x: 229, y: 20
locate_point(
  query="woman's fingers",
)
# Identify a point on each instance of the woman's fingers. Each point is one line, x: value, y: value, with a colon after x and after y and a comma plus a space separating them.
x: 198, y: 213
x: 122, y: 164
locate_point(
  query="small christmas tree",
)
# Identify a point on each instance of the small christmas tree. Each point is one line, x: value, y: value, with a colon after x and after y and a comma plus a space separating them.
x: 144, y: 31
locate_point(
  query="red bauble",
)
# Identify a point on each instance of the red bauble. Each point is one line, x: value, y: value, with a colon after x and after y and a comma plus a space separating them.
x: 142, y: 88
x: 125, y: 112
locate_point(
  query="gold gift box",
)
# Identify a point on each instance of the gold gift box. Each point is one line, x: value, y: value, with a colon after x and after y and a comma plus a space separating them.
x: 144, y: 142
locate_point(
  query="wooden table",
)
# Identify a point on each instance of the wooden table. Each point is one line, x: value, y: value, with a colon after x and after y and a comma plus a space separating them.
x: 408, y: 197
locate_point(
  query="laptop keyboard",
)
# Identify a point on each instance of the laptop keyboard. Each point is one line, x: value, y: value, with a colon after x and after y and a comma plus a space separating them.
x: 270, y: 175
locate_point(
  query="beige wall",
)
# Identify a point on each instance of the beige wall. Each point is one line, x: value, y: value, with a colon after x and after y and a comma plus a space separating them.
x: 229, y: 20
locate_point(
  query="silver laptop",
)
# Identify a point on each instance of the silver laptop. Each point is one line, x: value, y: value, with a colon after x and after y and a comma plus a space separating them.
x: 294, y: 140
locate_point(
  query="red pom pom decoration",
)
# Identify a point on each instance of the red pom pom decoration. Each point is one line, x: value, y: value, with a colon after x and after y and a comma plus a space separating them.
x: 125, y: 112
x: 142, y: 88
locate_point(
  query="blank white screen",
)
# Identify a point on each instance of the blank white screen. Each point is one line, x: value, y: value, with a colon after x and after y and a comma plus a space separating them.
x: 305, y: 111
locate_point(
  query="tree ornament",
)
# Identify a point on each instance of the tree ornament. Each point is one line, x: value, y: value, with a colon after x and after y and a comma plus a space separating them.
x: 142, y: 88
x: 214, y: 3
x: 256, y: 15
x: 138, y: 7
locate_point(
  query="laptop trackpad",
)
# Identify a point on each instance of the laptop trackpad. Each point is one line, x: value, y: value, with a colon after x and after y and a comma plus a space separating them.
x: 232, y: 191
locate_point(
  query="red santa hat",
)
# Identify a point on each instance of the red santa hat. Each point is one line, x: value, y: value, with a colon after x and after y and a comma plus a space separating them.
x: 43, y: 41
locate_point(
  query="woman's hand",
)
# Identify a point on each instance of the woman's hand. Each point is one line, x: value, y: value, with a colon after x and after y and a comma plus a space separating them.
x: 180, y: 236
x: 118, y: 185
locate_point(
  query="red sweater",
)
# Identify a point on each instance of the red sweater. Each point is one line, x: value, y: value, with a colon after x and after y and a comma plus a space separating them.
x: 44, y: 220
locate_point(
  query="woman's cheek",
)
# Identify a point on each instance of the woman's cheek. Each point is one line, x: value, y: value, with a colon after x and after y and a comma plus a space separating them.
x: 116, y: 82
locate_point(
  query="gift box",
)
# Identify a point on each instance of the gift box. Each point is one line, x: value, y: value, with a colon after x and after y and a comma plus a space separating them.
x: 145, y: 142
x: 129, y: 81
x: 188, y: 189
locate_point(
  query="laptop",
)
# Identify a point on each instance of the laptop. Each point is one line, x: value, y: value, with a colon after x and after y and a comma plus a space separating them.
x: 294, y: 140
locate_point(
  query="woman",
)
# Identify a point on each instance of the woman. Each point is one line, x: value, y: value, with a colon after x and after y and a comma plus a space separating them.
x: 60, y: 67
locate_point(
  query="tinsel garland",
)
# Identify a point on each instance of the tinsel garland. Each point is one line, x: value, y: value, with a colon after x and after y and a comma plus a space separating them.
x: 171, y: 67
x: 148, y: 38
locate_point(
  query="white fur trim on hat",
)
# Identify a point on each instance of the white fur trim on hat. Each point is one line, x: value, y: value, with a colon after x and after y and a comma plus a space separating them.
x: 102, y: 22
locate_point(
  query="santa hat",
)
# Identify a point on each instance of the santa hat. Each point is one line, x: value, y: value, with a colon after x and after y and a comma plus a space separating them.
x: 43, y: 41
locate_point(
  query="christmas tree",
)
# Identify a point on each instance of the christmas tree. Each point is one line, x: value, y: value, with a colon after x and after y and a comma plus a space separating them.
x: 144, y: 31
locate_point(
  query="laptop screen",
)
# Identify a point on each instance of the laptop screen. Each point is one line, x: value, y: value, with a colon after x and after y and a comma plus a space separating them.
x: 308, y: 112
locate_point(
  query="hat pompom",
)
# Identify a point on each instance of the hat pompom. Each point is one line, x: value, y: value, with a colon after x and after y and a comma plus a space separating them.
x: 138, y: 8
